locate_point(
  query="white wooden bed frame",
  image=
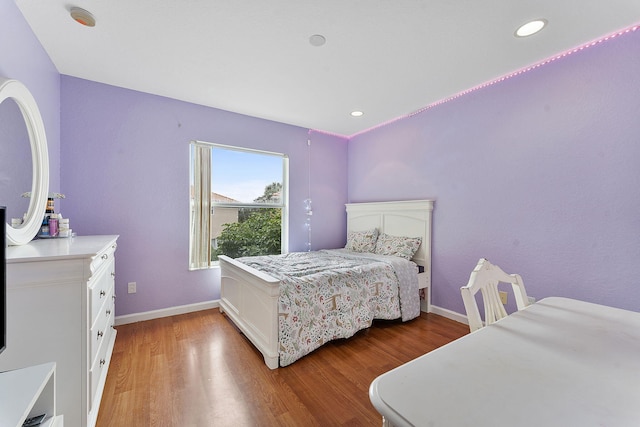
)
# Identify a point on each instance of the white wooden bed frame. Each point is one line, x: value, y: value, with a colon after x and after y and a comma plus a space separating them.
x: 250, y: 297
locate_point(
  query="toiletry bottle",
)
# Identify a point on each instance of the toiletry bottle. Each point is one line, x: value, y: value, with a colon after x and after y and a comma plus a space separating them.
x: 53, y: 226
x: 44, y: 229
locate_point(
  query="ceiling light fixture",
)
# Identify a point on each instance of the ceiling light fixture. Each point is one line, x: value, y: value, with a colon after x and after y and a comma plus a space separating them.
x: 531, y: 28
x: 357, y: 113
x: 82, y: 17
x: 317, y: 40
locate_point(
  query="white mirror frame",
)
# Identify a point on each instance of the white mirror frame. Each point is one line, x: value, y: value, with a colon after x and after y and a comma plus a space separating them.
x: 40, y: 159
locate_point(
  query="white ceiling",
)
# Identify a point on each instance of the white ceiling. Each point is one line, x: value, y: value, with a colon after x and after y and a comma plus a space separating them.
x: 387, y: 58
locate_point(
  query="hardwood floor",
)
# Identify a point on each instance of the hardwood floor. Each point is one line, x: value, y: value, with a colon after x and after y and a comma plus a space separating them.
x: 197, y: 370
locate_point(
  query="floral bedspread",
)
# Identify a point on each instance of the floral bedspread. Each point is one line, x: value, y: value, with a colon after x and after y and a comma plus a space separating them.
x: 331, y: 294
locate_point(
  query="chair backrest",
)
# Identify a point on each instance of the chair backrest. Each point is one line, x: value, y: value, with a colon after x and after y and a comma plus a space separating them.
x: 485, y: 278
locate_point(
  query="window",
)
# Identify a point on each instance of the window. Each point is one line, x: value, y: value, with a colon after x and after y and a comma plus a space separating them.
x: 238, y: 202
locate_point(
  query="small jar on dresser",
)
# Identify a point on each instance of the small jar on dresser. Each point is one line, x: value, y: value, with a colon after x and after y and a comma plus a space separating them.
x: 61, y: 308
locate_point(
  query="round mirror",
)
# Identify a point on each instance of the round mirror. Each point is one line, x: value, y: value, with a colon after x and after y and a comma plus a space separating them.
x: 13, y: 89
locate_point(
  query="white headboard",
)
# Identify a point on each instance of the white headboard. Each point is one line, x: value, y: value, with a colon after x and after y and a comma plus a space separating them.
x: 410, y: 218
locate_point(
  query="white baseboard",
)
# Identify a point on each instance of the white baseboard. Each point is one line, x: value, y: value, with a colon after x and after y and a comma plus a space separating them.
x: 449, y: 314
x: 166, y: 312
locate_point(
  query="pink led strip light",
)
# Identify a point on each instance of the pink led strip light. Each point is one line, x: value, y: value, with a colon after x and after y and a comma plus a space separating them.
x: 500, y: 79
x: 524, y: 70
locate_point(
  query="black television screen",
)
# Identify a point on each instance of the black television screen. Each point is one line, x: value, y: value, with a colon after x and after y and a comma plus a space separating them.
x: 3, y: 280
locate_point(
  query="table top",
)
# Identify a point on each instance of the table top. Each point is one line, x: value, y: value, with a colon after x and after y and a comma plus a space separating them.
x: 21, y: 390
x: 55, y: 249
x: 559, y: 362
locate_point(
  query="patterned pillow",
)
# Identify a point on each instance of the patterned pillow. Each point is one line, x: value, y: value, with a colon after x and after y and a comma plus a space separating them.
x: 404, y: 247
x: 362, y: 241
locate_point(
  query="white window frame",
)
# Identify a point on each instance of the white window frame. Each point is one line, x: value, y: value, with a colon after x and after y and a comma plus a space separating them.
x: 195, y: 242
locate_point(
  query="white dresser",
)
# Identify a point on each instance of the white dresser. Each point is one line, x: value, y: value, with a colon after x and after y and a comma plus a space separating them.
x: 60, y: 301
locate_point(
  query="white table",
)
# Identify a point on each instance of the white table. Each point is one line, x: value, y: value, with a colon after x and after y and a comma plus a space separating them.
x: 559, y: 362
x: 27, y: 392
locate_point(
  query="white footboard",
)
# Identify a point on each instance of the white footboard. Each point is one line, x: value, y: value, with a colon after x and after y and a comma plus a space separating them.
x: 250, y: 299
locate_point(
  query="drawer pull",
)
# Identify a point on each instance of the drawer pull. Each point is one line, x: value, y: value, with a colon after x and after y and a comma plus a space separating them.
x: 113, y: 274
x: 108, y: 313
x: 100, y: 334
x: 102, y: 362
x: 105, y: 256
x: 102, y: 293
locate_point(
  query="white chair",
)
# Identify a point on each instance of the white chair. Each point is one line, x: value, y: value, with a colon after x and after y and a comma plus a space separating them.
x: 485, y: 278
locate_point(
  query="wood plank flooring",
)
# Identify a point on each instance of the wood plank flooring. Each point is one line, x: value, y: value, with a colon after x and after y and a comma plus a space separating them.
x: 197, y: 369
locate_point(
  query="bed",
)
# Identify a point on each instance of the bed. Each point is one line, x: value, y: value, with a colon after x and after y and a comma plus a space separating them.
x: 251, y: 298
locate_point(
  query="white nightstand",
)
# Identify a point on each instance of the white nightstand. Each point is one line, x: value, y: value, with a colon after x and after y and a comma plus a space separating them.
x: 424, y: 282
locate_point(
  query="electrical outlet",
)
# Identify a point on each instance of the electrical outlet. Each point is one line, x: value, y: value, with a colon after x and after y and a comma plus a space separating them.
x: 503, y: 297
x: 132, y: 288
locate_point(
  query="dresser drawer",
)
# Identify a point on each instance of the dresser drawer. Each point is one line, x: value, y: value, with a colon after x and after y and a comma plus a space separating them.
x: 101, y: 290
x: 99, y: 362
x: 102, y: 257
x: 101, y: 329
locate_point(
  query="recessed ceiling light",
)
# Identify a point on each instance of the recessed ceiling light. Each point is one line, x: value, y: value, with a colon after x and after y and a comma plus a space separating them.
x: 82, y: 16
x: 530, y: 28
x: 357, y: 113
x: 317, y: 40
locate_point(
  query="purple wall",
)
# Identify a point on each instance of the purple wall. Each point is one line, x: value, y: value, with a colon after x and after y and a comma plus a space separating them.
x: 540, y: 174
x: 22, y: 58
x: 125, y: 170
